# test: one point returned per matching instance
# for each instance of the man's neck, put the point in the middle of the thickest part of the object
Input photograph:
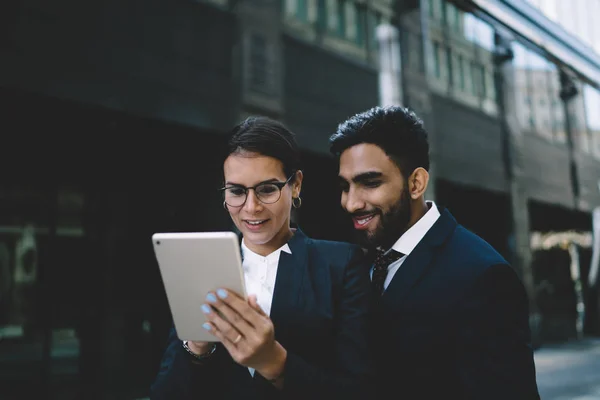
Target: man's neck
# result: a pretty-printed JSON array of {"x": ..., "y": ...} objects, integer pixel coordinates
[{"x": 418, "y": 209}]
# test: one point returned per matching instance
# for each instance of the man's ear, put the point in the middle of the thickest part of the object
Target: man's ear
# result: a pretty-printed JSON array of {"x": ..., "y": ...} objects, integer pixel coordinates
[{"x": 417, "y": 183}]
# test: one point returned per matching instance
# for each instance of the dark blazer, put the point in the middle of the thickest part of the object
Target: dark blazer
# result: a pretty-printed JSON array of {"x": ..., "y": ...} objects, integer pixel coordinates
[
  {"x": 454, "y": 323},
  {"x": 320, "y": 313}
]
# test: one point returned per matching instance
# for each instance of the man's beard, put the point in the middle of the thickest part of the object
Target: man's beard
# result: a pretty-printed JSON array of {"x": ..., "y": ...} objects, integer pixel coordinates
[{"x": 391, "y": 225}]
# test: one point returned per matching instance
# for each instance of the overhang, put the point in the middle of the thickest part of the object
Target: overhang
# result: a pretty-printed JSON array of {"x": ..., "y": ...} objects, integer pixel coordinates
[{"x": 531, "y": 26}]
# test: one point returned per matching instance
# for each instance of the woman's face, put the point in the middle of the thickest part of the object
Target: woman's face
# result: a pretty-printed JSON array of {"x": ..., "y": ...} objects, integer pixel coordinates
[{"x": 265, "y": 227}]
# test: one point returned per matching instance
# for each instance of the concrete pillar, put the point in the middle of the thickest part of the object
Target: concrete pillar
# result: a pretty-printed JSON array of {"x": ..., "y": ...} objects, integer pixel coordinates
[
  {"x": 568, "y": 91},
  {"x": 519, "y": 237}
]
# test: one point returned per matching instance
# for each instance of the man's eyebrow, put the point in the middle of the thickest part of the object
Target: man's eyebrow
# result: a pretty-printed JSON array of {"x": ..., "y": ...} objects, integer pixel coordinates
[{"x": 365, "y": 176}]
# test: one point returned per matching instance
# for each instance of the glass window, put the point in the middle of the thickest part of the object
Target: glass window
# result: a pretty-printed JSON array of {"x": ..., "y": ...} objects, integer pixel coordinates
[
  {"x": 524, "y": 95},
  {"x": 415, "y": 48},
  {"x": 373, "y": 20},
  {"x": 479, "y": 86},
  {"x": 312, "y": 11},
  {"x": 433, "y": 8},
  {"x": 341, "y": 23},
  {"x": 539, "y": 70},
  {"x": 289, "y": 7},
  {"x": 592, "y": 114},
  {"x": 361, "y": 19},
  {"x": 259, "y": 73},
  {"x": 42, "y": 245},
  {"x": 459, "y": 20},
  {"x": 537, "y": 83},
  {"x": 302, "y": 10},
  {"x": 460, "y": 72},
  {"x": 350, "y": 16},
  {"x": 555, "y": 105},
  {"x": 451, "y": 16},
  {"x": 436, "y": 60},
  {"x": 579, "y": 126},
  {"x": 490, "y": 88},
  {"x": 484, "y": 35},
  {"x": 478, "y": 32},
  {"x": 332, "y": 16},
  {"x": 322, "y": 15}
]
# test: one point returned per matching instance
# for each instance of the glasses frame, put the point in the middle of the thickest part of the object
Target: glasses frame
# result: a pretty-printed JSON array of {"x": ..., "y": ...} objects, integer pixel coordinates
[{"x": 279, "y": 185}]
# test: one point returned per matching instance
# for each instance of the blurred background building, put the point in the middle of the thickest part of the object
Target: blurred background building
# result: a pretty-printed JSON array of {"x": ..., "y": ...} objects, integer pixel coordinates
[{"x": 113, "y": 123}]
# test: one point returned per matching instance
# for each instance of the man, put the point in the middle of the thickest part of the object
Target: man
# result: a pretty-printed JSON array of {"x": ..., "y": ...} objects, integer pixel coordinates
[{"x": 451, "y": 315}]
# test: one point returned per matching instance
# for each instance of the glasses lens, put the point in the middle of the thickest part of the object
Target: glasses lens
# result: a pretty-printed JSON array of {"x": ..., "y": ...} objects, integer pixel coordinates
[
  {"x": 268, "y": 193},
  {"x": 235, "y": 196}
]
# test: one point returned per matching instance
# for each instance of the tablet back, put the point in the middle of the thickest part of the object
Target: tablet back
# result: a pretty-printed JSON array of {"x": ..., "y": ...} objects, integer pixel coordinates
[{"x": 191, "y": 265}]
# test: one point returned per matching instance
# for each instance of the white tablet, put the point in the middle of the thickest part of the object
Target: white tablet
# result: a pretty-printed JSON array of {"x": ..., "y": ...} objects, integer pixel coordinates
[{"x": 191, "y": 265}]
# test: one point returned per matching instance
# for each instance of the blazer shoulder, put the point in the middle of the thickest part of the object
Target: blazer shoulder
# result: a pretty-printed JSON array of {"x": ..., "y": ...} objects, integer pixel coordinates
[
  {"x": 473, "y": 251},
  {"x": 335, "y": 252}
]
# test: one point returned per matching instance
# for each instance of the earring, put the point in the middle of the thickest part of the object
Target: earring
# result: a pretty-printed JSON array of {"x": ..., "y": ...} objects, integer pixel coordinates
[
  {"x": 225, "y": 206},
  {"x": 296, "y": 202}
]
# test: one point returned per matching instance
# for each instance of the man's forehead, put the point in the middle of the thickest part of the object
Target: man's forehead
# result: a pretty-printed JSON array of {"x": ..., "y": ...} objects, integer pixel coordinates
[{"x": 363, "y": 158}]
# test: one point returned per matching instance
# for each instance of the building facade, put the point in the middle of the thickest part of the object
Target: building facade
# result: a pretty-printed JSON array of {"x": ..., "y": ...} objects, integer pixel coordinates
[{"x": 115, "y": 115}]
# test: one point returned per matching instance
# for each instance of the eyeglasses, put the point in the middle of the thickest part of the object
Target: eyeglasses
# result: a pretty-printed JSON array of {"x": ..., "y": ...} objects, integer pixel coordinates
[{"x": 267, "y": 193}]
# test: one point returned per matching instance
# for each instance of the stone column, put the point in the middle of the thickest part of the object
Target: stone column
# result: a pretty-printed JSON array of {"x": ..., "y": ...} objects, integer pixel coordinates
[{"x": 519, "y": 237}]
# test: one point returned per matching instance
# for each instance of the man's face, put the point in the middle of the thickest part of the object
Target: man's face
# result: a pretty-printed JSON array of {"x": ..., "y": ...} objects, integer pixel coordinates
[{"x": 375, "y": 195}]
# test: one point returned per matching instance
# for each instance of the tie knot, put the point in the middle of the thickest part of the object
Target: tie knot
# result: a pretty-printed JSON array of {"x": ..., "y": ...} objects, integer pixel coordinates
[{"x": 383, "y": 259}]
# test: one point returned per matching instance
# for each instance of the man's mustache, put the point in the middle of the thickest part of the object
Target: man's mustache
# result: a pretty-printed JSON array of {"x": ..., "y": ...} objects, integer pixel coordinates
[{"x": 364, "y": 213}]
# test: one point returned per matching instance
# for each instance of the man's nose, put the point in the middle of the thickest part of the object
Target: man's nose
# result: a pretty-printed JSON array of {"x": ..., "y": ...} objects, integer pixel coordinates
[{"x": 352, "y": 202}]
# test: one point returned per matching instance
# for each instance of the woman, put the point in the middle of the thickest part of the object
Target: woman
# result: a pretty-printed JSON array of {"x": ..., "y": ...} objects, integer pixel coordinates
[{"x": 302, "y": 333}]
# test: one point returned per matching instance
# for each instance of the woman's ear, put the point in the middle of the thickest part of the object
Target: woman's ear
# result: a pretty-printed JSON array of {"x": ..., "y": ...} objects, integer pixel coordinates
[{"x": 297, "y": 185}]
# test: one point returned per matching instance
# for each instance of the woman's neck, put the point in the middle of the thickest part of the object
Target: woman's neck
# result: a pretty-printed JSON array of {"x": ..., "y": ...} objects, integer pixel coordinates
[{"x": 277, "y": 242}]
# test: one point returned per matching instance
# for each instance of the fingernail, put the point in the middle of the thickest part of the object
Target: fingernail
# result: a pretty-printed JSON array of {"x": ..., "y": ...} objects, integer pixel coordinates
[
  {"x": 206, "y": 326},
  {"x": 205, "y": 309},
  {"x": 222, "y": 293},
  {"x": 211, "y": 297}
]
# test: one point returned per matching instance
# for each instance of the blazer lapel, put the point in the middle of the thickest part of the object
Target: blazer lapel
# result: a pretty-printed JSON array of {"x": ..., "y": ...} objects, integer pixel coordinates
[
  {"x": 288, "y": 284},
  {"x": 420, "y": 259}
]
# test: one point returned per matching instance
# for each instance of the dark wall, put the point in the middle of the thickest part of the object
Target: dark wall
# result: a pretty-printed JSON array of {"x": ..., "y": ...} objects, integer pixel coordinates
[
  {"x": 546, "y": 171},
  {"x": 468, "y": 146},
  {"x": 485, "y": 213},
  {"x": 63, "y": 142},
  {"x": 546, "y": 217},
  {"x": 138, "y": 176},
  {"x": 321, "y": 90},
  {"x": 321, "y": 215},
  {"x": 166, "y": 59}
]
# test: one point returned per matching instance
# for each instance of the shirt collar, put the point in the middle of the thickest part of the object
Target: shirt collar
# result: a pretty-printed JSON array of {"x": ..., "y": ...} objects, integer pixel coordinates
[
  {"x": 411, "y": 238},
  {"x": 248, "y": 254}
]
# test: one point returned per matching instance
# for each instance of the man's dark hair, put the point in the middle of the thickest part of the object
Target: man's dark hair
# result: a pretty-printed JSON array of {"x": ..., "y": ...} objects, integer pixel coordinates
[
  {"x": 397, "y": 130},
  {"x": 266, "y": 137}
]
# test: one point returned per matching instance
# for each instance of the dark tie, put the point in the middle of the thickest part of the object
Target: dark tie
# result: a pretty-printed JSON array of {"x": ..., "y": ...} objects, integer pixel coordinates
[{"x": 380, "y": 268}]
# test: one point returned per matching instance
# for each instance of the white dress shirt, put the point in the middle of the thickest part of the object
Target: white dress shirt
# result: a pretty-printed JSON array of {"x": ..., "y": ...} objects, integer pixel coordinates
[
  {"x": 411, "y": 238},
  {"x": 260, "y": 273}
]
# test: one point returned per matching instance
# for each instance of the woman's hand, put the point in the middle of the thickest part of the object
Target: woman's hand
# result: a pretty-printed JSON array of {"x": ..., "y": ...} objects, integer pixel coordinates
[{"x": 246, "y": 332}]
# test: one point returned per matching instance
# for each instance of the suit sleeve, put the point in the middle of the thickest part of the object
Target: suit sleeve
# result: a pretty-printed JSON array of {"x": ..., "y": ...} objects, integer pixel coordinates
[
  {"x": 181, "y": 377},
  {"x": 494, "y": 353},
  {"x": 349, "y": 376}
]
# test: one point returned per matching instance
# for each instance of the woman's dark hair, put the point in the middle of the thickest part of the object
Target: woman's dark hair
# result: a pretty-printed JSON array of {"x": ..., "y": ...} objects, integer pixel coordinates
[{"x": 266, "y": 137}]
